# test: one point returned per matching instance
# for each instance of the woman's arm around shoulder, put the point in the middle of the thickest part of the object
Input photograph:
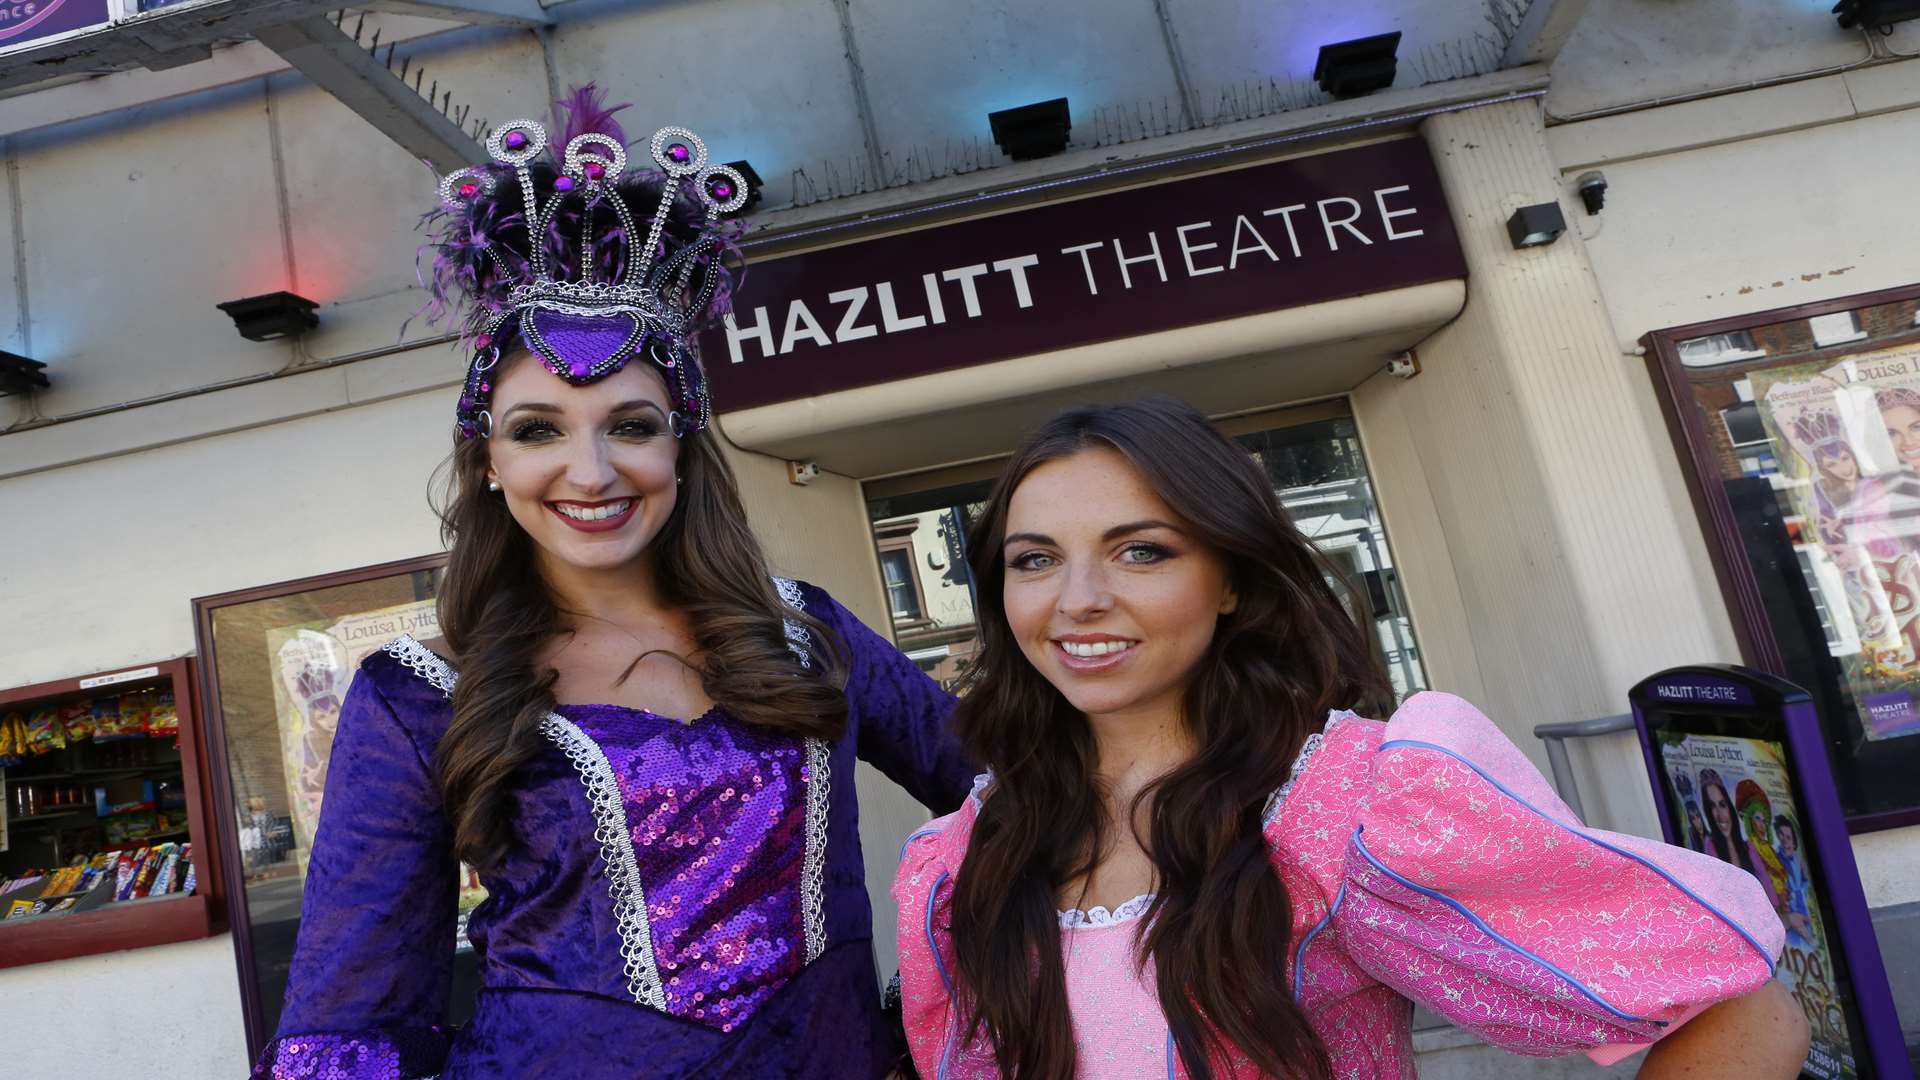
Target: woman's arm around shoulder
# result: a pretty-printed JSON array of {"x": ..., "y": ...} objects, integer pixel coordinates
[{"x": 900, "y": 714}]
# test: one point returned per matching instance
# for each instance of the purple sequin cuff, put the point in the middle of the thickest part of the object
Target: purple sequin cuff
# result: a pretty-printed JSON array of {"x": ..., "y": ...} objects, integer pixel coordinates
[{"x": 374, "y": 1054}]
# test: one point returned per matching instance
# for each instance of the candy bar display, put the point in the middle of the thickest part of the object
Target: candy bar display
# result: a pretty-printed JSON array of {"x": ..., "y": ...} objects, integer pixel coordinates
[
  {"x": 91, "y": 881},
  {"x": 98, "y": 810}
]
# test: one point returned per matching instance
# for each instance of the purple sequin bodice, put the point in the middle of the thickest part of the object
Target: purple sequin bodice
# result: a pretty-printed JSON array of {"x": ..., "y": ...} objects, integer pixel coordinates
[{"x": 716, "y": 816}]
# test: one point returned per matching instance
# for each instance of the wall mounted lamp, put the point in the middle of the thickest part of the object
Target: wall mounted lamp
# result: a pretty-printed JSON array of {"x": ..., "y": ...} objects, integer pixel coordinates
[
  {"x": 1875, "y": 14},
  {"x": 1348, "y": 69},
  {"x": 18, "y": 375},
  {"x": 274, "y": 315},
  {"x": 1032, "y": 131},
  {"x": 1536, "y": 226},
  {"x": 754, "y": 184}
]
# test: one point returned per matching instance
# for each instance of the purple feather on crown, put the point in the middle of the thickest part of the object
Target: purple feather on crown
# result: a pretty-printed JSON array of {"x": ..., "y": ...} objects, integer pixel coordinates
[
  {"x": 585, "y": 111},
  {"x": 585, "y": 307}
]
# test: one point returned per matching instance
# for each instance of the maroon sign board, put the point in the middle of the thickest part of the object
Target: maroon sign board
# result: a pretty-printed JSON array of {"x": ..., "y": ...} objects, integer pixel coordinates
[
  {"x": 1182, "y": 253},
  {"x": 28, "y": 22}
]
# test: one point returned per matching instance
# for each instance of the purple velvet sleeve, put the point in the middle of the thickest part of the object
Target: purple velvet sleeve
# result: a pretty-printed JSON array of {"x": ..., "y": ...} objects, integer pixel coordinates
[
  {"x": 901, "y": 716},
  {"x": 368, "y": 987}
]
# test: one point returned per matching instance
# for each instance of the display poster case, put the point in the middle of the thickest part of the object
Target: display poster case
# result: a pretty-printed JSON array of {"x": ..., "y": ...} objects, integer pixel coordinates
[
  {"x": 105, "y": 820},
  {"x": 277, "y": 662},
  {"x": 1799, "y": 436},
  {"x": 1739, "y": 769}
]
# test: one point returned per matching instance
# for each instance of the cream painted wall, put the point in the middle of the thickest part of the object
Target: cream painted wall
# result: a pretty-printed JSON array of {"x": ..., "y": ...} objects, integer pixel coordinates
[
  {"x": 1571, "y": 569},
  {"x": 1809, "y": 223},
  {"x": 103, "y": 560}
]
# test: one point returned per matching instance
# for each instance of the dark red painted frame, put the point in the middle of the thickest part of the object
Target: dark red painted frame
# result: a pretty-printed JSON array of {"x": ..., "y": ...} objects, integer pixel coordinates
[
  {"x": 1686, "y": 424},
  {"x": 225, "y": 824},
  {"x": 159, "y": 922}
]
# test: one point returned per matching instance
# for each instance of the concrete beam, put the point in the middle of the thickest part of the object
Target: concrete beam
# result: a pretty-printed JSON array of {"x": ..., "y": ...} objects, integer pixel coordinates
[
  {"x": 494, "y": 12},
  {"x": 1543, "y": 30},
  {"x": 335, "y": 63}
]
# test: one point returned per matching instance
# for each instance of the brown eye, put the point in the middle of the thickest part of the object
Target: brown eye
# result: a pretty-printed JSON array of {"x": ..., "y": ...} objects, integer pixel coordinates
[{"x": 636, "y": 429}]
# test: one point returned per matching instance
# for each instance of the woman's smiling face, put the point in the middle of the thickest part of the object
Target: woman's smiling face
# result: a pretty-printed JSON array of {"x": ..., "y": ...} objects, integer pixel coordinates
[
  {"x": 587, "y": 471},
  {"x": 1110, "y": 594}
]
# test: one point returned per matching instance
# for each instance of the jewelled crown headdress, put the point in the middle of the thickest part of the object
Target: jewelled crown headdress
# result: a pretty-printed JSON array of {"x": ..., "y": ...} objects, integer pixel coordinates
[
  {"x": 1820, "y": 431},
  {"x": 601, "y": 284}
]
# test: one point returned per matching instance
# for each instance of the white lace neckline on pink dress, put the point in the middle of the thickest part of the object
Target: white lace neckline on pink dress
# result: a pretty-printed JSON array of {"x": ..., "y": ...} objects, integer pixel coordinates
[{"x": 1077, "y": 919}]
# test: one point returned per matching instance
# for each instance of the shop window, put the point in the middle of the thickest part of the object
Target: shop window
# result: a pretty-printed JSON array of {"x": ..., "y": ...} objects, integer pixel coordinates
[
  {"x": 1316, "y": 468},
  {"x": 279, "y": 659},
  {"x": 1320, "y": 475},
  {"x": 1839, "y": 328},
  {"x": 1712, "y": 349},
  {"x": 105, "y": 839},
  {"x": 1805, "y": 466}
]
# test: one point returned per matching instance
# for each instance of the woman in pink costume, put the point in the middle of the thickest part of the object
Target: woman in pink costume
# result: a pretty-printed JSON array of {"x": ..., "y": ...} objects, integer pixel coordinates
[{"x": 1192, "y": 858}]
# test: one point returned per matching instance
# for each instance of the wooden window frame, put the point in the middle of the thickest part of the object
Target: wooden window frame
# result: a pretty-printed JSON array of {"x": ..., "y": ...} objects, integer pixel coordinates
[
  {"x": 1687, "y": 426},
  {"x": 120, "y": 925}
]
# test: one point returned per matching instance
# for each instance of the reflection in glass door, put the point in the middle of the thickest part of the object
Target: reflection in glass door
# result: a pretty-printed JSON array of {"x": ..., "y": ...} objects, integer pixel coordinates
[{"x": 1316, "y": 469}]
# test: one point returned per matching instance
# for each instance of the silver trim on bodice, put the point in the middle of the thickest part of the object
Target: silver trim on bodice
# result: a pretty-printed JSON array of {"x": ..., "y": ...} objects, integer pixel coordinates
[
  {"x": 423, "y": 662},
  {"x": 616, "y": 851},
  {"x": 615, "y": 837}
]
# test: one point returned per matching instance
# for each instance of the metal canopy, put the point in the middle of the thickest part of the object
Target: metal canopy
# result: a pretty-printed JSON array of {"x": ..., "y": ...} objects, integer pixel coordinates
[
  {"x": 302, "y": 33},
  {"x": 184, "y": 32}
]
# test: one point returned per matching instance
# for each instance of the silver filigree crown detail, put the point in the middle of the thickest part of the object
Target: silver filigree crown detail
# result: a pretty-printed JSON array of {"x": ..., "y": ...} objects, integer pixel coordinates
[{"x": 644, "y": 309}]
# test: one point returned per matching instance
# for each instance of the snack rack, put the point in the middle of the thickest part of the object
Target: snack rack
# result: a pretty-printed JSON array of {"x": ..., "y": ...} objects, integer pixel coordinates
[{"x": 131, "y": 807}]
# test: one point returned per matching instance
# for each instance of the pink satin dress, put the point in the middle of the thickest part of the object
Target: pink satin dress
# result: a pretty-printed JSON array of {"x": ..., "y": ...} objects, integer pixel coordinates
[{"x": 1426, "y": 860}]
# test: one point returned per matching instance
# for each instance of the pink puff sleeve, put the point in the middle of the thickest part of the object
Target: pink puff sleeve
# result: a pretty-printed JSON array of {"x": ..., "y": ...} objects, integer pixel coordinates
[
  {"x": 1471, "y": 888},
  {"x": 922, "y": 888}
]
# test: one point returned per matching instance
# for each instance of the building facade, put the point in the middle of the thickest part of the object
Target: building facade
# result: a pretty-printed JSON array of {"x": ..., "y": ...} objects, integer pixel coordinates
[{"x": 1473, "y": 432}]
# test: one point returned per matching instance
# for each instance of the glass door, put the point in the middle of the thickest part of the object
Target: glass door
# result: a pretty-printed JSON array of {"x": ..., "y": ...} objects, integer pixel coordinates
[{"x": 1315, "y": 465}]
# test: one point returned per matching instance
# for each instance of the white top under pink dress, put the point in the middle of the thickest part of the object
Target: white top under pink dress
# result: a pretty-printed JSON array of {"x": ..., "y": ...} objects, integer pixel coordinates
[{"x": 1425, "y": 859}]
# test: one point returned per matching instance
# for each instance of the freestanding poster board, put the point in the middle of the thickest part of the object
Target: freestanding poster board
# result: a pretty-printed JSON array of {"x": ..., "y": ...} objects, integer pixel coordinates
[{"x": 1741, "y": 774}]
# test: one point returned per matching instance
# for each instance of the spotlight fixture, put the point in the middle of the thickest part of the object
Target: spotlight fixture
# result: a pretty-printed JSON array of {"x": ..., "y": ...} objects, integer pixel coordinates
[
  {"x": 1032, "y": 131},
  {"x": 1536, "y": 226},
  {"x": 18, "y": 375},
  {"x": 1875, "y": 14},
  {"x": 275, "y": 315},
  {"x": 1348, "y": 69},
  {"x": 1592, "y": 186},
  {"x": 754, "y": 184}
]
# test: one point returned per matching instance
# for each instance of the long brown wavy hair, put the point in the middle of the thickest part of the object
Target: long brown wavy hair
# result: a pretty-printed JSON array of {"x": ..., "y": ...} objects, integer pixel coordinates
[
  {"x": 1218, "y": 927},
  {"x": 497, "y": 612}
]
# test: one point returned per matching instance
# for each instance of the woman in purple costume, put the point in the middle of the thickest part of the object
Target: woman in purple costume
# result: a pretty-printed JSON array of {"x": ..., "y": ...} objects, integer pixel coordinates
[{"x": 644, "y": 742}]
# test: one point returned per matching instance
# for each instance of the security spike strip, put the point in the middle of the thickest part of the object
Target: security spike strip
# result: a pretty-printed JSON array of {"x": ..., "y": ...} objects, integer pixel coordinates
[
  {"x": 419, "y": 75},
  {"x": 359, "y": 25},
  {"x": 339, "y": 18},
  {"x": 406, "y": 63},
  {"x": 390, "y": 47},
  {"x": 374, "y": 49}
]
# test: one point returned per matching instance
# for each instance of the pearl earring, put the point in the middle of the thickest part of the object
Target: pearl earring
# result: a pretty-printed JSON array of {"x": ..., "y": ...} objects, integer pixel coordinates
[{"x": 493, "y": 485}]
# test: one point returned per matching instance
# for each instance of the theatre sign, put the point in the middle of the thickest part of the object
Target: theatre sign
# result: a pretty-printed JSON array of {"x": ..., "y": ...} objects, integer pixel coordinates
[{"x": 1181, "y": 253}]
